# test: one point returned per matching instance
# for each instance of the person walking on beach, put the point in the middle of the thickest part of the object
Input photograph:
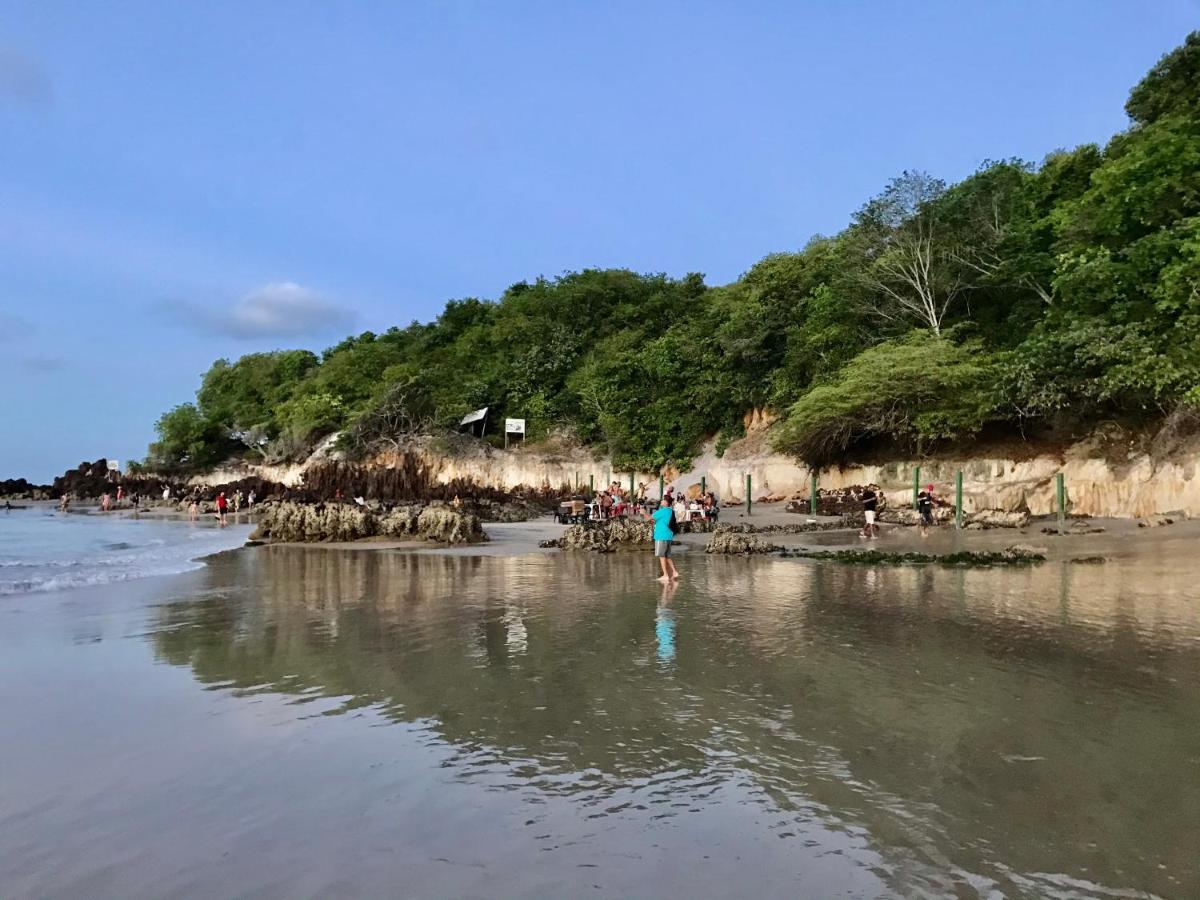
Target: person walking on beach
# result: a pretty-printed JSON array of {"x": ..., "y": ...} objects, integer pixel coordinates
[
  {"x": 870, "y": 502},
  {"x": 250, "y": 500},
  {"x": 194, "y": 508},
  {"x": 222, "y": 506},
  {"x": 665, "y": 527},
  {"x": 925, "y": 509},
  {"x": 105, "y": 503}
]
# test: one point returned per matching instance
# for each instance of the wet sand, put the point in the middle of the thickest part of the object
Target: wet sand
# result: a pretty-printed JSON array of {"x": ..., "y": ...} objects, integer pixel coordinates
[{"x": 491, "y": 722}]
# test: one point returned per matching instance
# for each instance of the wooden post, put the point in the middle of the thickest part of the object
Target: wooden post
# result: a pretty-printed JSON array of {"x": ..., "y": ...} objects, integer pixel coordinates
[
  {"x": 660, "y": 487},
  {"x": 916, "y": 486},
  {"x": 591, "y": 486},
  {"x": 812, "y": 494},
  {"x": 958, "y": 510},
  {"x": 1060, "y": 495},
  {"x": 748, "y": 492}
]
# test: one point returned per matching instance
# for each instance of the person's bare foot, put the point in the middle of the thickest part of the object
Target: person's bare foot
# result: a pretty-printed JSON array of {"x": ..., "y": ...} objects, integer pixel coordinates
[
  {"x": 675, "y": 577},
  {"x": 663, "y": 578}
]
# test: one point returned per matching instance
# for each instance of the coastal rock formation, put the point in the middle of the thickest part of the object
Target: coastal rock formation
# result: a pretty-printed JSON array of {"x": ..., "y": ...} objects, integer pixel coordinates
[
  {"x": 610, "y": 536},
  {"x": 619, "y": 534},
  {"x": 1015, "y": 555},
  {"x": 790, "y": 528},
  {"x": 20, "y": 489},
  {"x": 734, "y": 543},
  {"x": 997, "y": 518},
  {"x": 1155, "y": 521},
  {"x": 449, "y": 526},
  {"x": 318, "y": 522}
]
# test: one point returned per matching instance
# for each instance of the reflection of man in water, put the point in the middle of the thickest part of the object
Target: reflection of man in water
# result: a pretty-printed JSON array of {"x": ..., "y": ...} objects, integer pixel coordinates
[{"x": 664, "y": 624}]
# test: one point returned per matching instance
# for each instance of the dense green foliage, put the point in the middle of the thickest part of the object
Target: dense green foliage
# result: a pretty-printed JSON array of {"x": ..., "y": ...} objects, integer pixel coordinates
[{"x": 1047, "y": 294}]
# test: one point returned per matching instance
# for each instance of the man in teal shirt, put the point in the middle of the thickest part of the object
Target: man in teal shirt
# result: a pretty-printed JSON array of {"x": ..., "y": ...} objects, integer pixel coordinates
[{"x": 663, "y": 518}]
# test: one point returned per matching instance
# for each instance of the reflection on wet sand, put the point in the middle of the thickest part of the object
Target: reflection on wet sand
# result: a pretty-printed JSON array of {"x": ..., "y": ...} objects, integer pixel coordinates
[{"x": 1033, "y": 730}]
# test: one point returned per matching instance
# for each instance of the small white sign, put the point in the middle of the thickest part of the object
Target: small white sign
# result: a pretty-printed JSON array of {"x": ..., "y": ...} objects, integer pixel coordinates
[
  {"x": 473, "y": 416},
  {"x": 514, "y": 426},
  {"x": 114, "y": 465}
]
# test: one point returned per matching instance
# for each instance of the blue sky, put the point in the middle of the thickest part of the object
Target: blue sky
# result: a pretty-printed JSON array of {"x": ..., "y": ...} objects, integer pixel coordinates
[{"x": 180, "y": 182}]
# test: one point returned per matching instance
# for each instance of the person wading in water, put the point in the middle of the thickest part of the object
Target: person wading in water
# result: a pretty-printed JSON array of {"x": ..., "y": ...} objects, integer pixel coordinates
[
  {"x": 665, "y": 527},
  {"x": 925, "y": 508},
  {"x": 870, "y": 500}
]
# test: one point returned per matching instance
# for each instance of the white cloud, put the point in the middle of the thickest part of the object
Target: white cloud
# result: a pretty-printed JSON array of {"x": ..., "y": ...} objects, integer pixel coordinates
[{"x": 279, "y": 310}]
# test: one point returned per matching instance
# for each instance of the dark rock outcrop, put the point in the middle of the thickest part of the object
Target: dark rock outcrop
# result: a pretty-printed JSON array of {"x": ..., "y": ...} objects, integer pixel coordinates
[{"x": 1015, "y": 555}]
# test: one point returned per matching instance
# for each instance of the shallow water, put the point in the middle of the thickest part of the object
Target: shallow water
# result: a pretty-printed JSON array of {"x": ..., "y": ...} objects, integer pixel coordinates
[
  {"x": 299, "y": 721},
  {"x": 42, "y": 549}
]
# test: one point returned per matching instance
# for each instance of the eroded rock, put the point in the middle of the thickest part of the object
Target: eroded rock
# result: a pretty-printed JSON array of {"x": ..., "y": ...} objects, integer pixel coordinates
[
  {"x": 732, "y": 542},
  {"x": 997, "y": 518},
  {"x": 321, "y": 522}
]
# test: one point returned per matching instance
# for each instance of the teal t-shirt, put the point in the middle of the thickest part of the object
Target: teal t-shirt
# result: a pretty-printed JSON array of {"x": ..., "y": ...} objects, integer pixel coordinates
[{"x": 662, "y": 524}]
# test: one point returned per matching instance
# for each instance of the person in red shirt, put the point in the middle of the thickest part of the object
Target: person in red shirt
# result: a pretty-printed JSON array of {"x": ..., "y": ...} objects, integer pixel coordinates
[{"x": 222, "y": 505}]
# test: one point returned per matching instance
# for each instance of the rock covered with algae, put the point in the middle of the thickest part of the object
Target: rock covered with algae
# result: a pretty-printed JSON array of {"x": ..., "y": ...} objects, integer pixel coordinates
[{"x": 308, "y": 523}]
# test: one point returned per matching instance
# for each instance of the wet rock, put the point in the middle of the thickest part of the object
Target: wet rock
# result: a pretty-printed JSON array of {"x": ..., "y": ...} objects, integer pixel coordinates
[
  {"x": 1155, "y": 522},
  {"x": 791, "y": 528},
  {"x": 317, "y": 522},
  {"x": 1076, "y": 526},
  {"x": 449, "y": 526},
  {"x": 731, "y": 542},
  {"x": 1088, "y": 560},
  {"x": 399, "y": 522},
  {"x": 609, "y": 536},
  {"x": 997, "y": 518},
  {"x": 909, "y": 516},
  {"x": 1015, "y": 555}
]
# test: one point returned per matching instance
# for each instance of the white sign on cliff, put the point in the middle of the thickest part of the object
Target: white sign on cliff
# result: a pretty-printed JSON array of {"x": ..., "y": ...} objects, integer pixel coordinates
[{"x": 514, "y": 426}]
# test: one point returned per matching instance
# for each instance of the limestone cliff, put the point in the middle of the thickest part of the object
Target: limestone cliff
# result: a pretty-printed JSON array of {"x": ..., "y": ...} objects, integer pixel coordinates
[{"x": 1104, "y": 477}]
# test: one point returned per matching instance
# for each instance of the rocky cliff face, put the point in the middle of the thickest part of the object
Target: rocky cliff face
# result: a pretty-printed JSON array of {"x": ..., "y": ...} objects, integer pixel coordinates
[{"x": 1102, "y": 479}]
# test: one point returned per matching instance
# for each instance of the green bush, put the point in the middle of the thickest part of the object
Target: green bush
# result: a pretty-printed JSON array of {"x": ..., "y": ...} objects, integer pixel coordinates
[{"x": 913, "y": 389}]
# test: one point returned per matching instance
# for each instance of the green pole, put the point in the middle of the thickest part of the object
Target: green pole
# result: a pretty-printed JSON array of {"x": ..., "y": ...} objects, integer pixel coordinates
[
  {"x": 703, "y": 485},
  {"x": 591, "y": 486},
  {"x": 916, "y": 485},
  {"x": 1060, "y": 495},
  {"x": 630, "y": 484},
  {"x": 660, "y": 487},
  {"x": 958, "y": 510},
  {"x": 748, "y": 491},
  {"x": 812, "y": 494}
]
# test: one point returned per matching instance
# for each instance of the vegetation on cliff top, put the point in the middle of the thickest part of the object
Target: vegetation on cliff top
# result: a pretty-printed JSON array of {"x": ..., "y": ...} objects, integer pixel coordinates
[{"x": 1026, "y": 294}]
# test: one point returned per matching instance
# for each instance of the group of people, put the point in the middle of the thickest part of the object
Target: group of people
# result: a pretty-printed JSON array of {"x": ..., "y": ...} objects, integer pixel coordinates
[
  {"x": 223, "y": 503},
  {"x": 872, "y": 498},
  {"x": 106, "y": 500},
  {"x": 615, "y": 501}
]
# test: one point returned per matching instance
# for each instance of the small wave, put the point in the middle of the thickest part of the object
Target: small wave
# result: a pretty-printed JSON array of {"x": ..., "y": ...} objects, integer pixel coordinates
[
  {"x": 40, "y": 584},
  {"x": 24, "y": 570}
]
